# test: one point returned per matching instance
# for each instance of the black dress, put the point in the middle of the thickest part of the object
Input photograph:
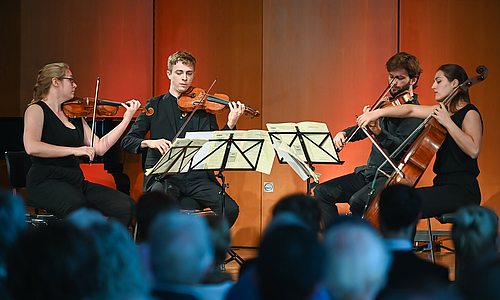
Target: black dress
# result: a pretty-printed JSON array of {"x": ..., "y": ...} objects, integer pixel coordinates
[
  {"x": 58, "y": 184},
  {"x": 455, "y": 184}
]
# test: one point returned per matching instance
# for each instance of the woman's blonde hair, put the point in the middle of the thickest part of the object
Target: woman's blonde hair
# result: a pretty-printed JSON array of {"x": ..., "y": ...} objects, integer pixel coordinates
[{"x": 44, "y": 79}]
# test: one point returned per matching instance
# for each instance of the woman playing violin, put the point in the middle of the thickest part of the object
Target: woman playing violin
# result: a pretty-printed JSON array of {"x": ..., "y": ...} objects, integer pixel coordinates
[
  {"x": 54, "y": 142},
  {"x": 456, "y": 168},
  {"x": 163, "y": 125}
]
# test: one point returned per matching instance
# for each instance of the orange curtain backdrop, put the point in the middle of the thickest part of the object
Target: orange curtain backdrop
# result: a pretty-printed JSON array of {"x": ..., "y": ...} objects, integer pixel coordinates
[
  {"x": 465, "y": 33},
  {"x": 323, "y": 61},
  {"x": 96, "y": 38},
  {"x": 225, "y": 37},
  {"x": 106, "y": 39}
]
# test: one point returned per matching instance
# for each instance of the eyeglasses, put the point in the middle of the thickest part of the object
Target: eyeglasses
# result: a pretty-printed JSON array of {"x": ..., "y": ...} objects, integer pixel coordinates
[{"x": 70, "y": 79}]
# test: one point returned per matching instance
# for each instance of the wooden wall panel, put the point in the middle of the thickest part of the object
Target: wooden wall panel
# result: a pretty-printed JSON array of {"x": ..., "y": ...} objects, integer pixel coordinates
[
  {"x": 96, "y": 38},
  {"x": 323, "y": 61},
  {"x": 225, "y": 37},
  {"x": 466, "y": 33},
  {"x": 10, "y": 59}
]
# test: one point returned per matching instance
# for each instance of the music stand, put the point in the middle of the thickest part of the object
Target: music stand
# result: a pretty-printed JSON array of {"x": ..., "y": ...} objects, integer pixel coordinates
[
  {"x": 232, "y": 148},
  {"x": 302, "y": 137},
  {"x": 177, "y": 157}
]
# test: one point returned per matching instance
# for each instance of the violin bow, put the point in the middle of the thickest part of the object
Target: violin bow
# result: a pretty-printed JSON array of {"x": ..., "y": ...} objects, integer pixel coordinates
[
  {"x": 194, "y": 109},
  {"x": 353, "y": 132},
  {"x": 94, "y": 113},
  {"x": 189, "y": 118},
  {"x": 464, "y": 86}
]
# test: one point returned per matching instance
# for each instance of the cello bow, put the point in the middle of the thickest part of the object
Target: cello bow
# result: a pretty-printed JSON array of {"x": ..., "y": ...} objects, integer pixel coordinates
[{"x": 424, "y": 148}]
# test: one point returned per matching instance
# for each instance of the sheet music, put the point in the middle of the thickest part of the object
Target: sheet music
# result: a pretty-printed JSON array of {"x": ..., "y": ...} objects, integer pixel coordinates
[
  {"x": 235, "y": 160},
  {"x": 287, "y": 138},
  {"x": 177, "y": 156},
  {"x": 319, "y": 145},
  {"x": 294, "y": 161}
]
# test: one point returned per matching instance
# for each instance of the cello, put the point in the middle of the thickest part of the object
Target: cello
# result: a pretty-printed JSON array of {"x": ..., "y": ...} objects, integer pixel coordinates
[{"x": 418, "y": 157}]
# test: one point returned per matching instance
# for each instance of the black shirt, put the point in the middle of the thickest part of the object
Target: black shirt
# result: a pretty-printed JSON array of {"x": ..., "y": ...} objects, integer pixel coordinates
[{"x": 394, "y": 132}]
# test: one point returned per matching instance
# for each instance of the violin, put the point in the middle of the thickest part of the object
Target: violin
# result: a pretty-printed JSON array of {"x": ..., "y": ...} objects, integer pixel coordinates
[
  {"x": 84, "y": 107},
  {"x": 214, "y": 104},
  {"x": 401, "y": 99},
  {"x": 384, "y": 102},
  {"x": 424, "y": 148}
]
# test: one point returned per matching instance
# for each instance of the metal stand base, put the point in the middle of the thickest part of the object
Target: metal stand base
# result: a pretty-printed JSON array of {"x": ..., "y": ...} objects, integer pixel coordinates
[{"x": 232, "y": 256}]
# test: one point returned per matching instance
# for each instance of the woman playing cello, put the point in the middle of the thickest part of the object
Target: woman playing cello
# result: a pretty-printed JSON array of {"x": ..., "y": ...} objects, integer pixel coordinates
[
  {"x": 54, "y": 142},
  {"x": 456, "y": 169}
]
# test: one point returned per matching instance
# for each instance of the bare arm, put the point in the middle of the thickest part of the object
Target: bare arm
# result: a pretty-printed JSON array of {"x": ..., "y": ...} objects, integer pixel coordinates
[
  {"x": 102, "y": 145},
  {"x": 33, "y": 126},
  {"x": 400, "y": 111},
  {"x": 468, "y": 138}
]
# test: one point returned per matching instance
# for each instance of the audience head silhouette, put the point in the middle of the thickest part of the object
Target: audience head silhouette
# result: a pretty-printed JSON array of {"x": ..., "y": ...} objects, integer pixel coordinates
[
  {"x": 120, "y": 275},
  {"x": 475, "y": 235},
  {"x": 290, "y": 263},
  {"x": 12, "y": 222},
  {"x": 181, "y": 250},
  {"x": 304, "y": 207},
  {"x": 148, "y": 206},
  {"x": 400, "y": 210},
  {"x": 58, "y": 261},
  {"x": 357, "y": 260}
]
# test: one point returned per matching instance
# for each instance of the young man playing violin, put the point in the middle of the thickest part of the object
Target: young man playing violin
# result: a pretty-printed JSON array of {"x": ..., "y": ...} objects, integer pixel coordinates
[
  {"x": 167, "y": 120},
  {"x": 363, "y": 184}
]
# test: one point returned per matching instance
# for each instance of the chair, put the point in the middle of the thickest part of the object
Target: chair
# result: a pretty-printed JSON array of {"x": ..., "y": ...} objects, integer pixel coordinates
[
  {"x": 18, "y": 164},
  {"x": 188, "y": 206},
  {"x": 443, "y": 219},
  {"x": 191, "y": 207}
]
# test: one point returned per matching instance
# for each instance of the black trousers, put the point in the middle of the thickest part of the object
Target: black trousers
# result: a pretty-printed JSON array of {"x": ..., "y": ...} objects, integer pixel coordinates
[
  {"x": 61, "y": 190},
  {"x": 449, "y": 193},
  {"x": 354, "y": 188},
  {"x": 199, "y": 187}
]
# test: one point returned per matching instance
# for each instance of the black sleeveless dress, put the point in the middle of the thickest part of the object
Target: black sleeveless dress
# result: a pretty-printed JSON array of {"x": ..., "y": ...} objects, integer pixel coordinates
[
  {"x": 455, "y": 184},
  {"x": 58, "y": 184}
]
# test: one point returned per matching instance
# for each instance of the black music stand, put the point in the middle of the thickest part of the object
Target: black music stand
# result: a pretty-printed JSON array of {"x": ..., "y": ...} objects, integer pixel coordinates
[
  {"x": 302, "y": 137},
  {"x": 231, "y": 147},
  {"x": 177, "y": 157}
]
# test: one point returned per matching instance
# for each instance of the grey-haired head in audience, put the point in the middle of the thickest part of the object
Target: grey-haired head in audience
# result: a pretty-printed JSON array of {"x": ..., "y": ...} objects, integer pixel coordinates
[
  {"x": 357, "y": 261},
  {"x": 181, "y": 250},
  {"x": 120, "y": 273}
]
